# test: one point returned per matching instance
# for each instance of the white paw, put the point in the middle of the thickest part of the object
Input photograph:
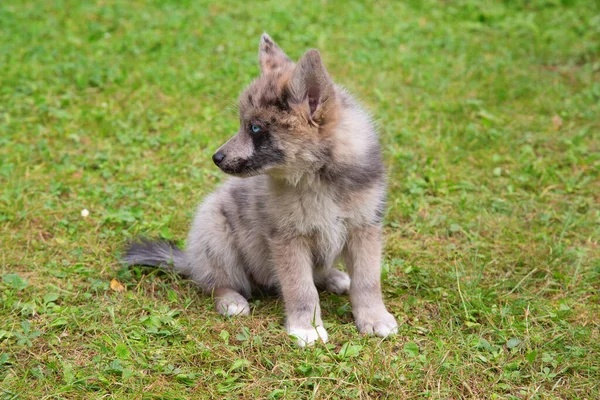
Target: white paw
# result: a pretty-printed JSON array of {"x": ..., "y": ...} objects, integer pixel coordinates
[
  {"x": 307, "y": 337},
  {"x": 380, "y": 323},
  {"x": 230, "y": 308},
  {"x": 338, "y": 283}
]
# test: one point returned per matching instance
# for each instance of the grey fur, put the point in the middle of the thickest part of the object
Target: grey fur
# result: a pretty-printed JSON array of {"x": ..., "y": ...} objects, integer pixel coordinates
[
  {"x": 153, "y": 253},
  {"x": 310, "y": 190}
]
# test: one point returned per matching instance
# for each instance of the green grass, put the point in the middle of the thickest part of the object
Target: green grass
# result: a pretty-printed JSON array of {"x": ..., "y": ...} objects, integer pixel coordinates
[{"x": 490, "y": 120}]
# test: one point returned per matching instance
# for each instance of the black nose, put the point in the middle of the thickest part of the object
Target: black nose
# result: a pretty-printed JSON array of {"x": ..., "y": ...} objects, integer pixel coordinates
[{"x": 218, "y": 157}]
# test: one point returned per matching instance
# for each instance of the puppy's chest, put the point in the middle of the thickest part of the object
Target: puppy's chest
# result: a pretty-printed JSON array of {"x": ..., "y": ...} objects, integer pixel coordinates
[{"x": 314, "y": 214}]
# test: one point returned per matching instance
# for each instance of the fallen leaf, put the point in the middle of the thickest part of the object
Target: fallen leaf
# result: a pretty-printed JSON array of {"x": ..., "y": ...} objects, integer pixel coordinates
[
  {"x": 116, "y": 286},
  {"x": 557, "y": 122}
]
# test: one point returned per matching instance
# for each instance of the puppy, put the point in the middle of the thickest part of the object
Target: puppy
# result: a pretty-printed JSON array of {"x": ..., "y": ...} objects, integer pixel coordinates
[{"x": 308, "y": 188}]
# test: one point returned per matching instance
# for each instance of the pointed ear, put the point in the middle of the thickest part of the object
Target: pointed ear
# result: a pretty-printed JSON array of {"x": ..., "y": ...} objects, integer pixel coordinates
[
  {"x": 312, "y": 85},
  {"x": 270, "y": 56}
]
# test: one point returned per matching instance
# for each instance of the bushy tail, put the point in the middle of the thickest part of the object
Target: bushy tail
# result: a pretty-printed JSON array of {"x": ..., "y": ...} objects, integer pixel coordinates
[{"x": 155, "y": 254}]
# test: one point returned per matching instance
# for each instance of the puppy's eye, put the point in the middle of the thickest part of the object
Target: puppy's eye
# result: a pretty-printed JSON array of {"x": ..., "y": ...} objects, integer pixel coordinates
[{"x": 255, "y": 128}]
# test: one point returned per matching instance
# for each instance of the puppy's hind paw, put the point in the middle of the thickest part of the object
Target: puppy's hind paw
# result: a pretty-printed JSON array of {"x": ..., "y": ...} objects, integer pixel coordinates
[
  {"x": 230, "y": 309},
  {"x": 230, "y": 303},
  {"x": 337, "y": 282}
]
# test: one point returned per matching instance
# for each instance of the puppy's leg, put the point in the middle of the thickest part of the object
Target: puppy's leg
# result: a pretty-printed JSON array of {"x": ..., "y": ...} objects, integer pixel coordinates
[
  {"x": 229, "y": 302},
  {"x": 293, "y": 265},
  {"x": 362, "y": 256}
]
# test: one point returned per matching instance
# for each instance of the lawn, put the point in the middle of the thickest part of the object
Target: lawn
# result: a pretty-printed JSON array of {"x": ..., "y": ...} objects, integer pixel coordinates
[{"x": 490, "y": 122}]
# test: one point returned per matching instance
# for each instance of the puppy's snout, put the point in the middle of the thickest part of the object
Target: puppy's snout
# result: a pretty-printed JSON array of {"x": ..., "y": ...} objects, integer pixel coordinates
[{"x": 218, "y": 157}]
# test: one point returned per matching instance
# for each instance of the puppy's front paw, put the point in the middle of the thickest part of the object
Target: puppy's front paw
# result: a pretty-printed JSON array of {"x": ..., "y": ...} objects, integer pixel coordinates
[
  {"x": 307, "y": 337},
  {"x": 376, "y": 322}
]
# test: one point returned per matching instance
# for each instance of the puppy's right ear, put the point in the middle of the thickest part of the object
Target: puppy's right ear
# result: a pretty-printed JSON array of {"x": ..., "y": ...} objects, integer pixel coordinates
[{"x": 271, "y": 57}]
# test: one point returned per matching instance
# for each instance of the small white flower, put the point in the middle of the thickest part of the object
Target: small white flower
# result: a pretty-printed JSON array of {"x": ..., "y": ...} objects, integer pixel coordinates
[{"x": 85, "y": 213}]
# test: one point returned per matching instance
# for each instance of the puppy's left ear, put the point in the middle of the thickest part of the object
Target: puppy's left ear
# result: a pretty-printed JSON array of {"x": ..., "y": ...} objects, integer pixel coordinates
[
  {"x": 270, "y": 56},
  {"x": 311, "y": 85}
]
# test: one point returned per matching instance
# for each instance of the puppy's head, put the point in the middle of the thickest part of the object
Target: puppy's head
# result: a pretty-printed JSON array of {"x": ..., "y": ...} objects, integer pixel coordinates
[{"x": 286, "y": 115}]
